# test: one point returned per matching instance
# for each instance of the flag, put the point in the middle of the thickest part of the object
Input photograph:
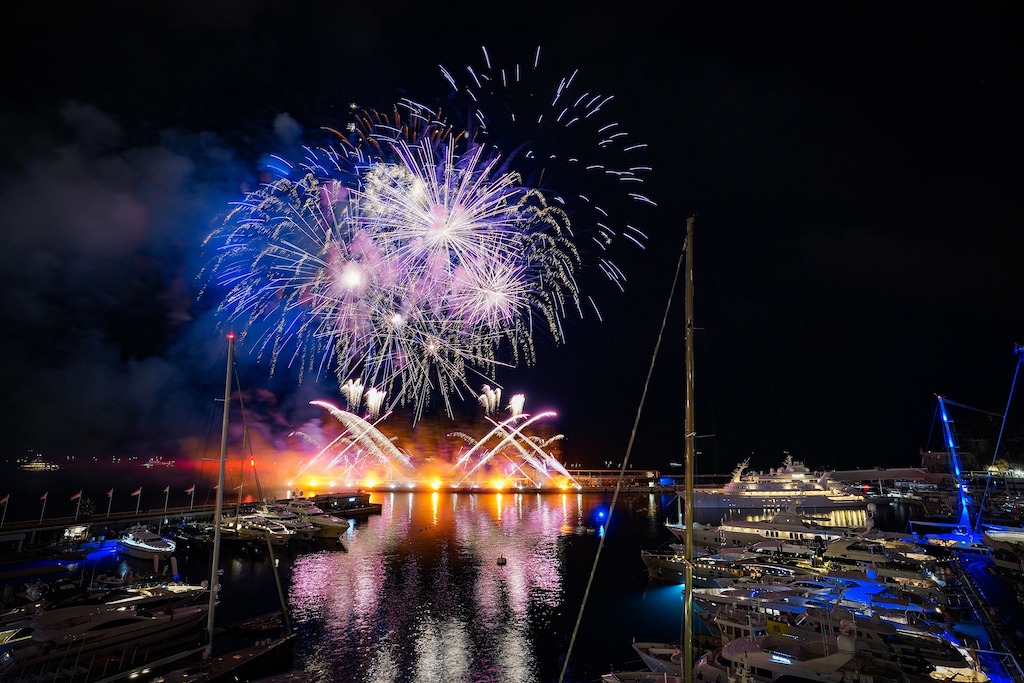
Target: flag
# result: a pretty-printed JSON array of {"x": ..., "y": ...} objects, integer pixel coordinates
[
  {"x": 137, "y": 491},
  {"x": 167, "y": 489},
  {"x": 3, "y": 501},
  {"x": 110, "y": 493},
  {"x": 43, "y": 497},
  {"x": 191, "y": 489},
  {"x": 76, "y": 496}
]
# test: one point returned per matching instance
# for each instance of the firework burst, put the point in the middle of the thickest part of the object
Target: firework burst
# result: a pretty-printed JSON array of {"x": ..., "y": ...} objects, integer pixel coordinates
[
  {"x": 417, "y": 256},
  {"x": 405, "y": 258}
]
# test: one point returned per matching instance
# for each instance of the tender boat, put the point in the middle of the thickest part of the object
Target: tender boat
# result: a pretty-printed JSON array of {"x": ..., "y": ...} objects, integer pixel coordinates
[{"x": 142, "y": 543}]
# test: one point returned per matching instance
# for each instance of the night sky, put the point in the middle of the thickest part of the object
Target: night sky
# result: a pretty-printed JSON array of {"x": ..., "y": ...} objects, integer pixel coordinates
[{"x": 853, "y": 170}]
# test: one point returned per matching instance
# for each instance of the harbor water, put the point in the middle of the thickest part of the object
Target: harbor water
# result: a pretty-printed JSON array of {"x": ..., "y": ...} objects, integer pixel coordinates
[{"x": 480, "y": 588}]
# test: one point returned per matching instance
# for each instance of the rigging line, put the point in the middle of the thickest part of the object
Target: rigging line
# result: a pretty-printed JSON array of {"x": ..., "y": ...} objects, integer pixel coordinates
[
  {"x": 999, "y": 439},
  {"x": 624, "y": 466}
]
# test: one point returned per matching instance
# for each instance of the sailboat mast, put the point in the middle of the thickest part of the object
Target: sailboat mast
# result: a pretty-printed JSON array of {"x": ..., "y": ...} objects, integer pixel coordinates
[
  {"x": 690, "y": 434},
  {"x": 219, "y": 509}
]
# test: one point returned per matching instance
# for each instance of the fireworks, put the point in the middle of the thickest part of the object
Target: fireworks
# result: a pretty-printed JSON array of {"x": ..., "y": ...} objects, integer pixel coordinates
[
  {"x": 562, "y": 139},
  {"x": 412, "y": 255}
]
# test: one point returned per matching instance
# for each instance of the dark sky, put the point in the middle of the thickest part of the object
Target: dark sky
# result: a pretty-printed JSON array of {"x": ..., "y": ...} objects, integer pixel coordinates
[{"x": 853, "y": 170}]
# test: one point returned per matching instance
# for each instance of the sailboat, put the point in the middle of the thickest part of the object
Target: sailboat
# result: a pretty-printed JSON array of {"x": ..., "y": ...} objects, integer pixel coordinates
[{"x": 267, "y": 657}]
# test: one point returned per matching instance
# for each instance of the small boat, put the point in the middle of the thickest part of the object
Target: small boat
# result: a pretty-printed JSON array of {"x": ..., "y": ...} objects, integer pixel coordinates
[
  {"x": 194, "y": 534},
  {"x": 265, "y": 623},
  {"x": 661, "y": 658},
  {"x": 142, "y": 543}
]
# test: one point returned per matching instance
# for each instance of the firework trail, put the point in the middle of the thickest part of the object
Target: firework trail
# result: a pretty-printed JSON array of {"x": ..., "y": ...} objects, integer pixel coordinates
[
  {"x": 412, "y": 253},
  {"x": 562, "y": 138}
]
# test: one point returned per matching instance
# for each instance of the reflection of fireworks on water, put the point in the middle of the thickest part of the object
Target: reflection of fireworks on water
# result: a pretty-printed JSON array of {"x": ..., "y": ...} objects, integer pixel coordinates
[{"x": 414, "y": 253}]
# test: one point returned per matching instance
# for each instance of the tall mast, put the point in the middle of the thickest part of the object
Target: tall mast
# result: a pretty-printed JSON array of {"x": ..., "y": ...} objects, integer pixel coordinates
[
  {"x": 690, "y": 434},
  {"x": 219, "y": 509}
]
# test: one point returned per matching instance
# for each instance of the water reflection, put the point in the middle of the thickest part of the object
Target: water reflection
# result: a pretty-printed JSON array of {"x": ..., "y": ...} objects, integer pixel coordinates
[{"x": 419, "y": 595}]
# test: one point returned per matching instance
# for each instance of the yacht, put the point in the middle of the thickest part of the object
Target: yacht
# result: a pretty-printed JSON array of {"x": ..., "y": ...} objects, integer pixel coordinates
[
  {"x": 142, "y": 543},
  {"x": 303, "y": 528},
  {"x": 302, "y": 506},
  {"x": 72, "y": 632},
  {"x": 326, "y": 523},
  {"x": 791, "y": 486},
  {"x": 786, "y": 657},
  {"x": 639, "y": 677},
  {"x": 718, "y": 569},
  {"x": 255, "y": 528},
  {"x": 785, "y": 526}
]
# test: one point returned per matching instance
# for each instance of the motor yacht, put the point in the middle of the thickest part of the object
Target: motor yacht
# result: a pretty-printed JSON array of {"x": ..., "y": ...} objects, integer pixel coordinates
[
  {"x": 142, "y": 543},
  {"x": 73, "y": 632},
  {"x": 301, "y": 506},
  {"x": 246, "y": 528},
  {"x": 792, "y": 486},
  {"x": 304, "y": 530}
]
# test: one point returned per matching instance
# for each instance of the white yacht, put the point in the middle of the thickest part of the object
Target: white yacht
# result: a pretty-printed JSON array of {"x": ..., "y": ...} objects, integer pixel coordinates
[
  {"x": 325, "y": 523},
  {"x": 255, "y": 528},
  {"x": 304, "y": 530},
  {"x": 785, "y": 526},
  {"x": 302, "y": 506},
  {"x": 792, "y": 486},
  {"x": 142, "y": 543}
]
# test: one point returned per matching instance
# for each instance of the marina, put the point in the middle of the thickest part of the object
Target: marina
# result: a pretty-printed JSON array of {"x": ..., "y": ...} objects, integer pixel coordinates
[{"x": 456, "y": 543}]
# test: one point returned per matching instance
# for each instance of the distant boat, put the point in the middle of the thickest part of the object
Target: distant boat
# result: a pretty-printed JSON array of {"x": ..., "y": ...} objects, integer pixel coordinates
[
  {"x": 38, "y": 464},
  {"x": 142, "y": 543},
  {"x": 792, "y": 486}
]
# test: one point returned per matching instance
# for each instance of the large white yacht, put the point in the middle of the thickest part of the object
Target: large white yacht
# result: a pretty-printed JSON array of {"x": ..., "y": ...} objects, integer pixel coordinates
[{"x": 792, "y": 486}]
